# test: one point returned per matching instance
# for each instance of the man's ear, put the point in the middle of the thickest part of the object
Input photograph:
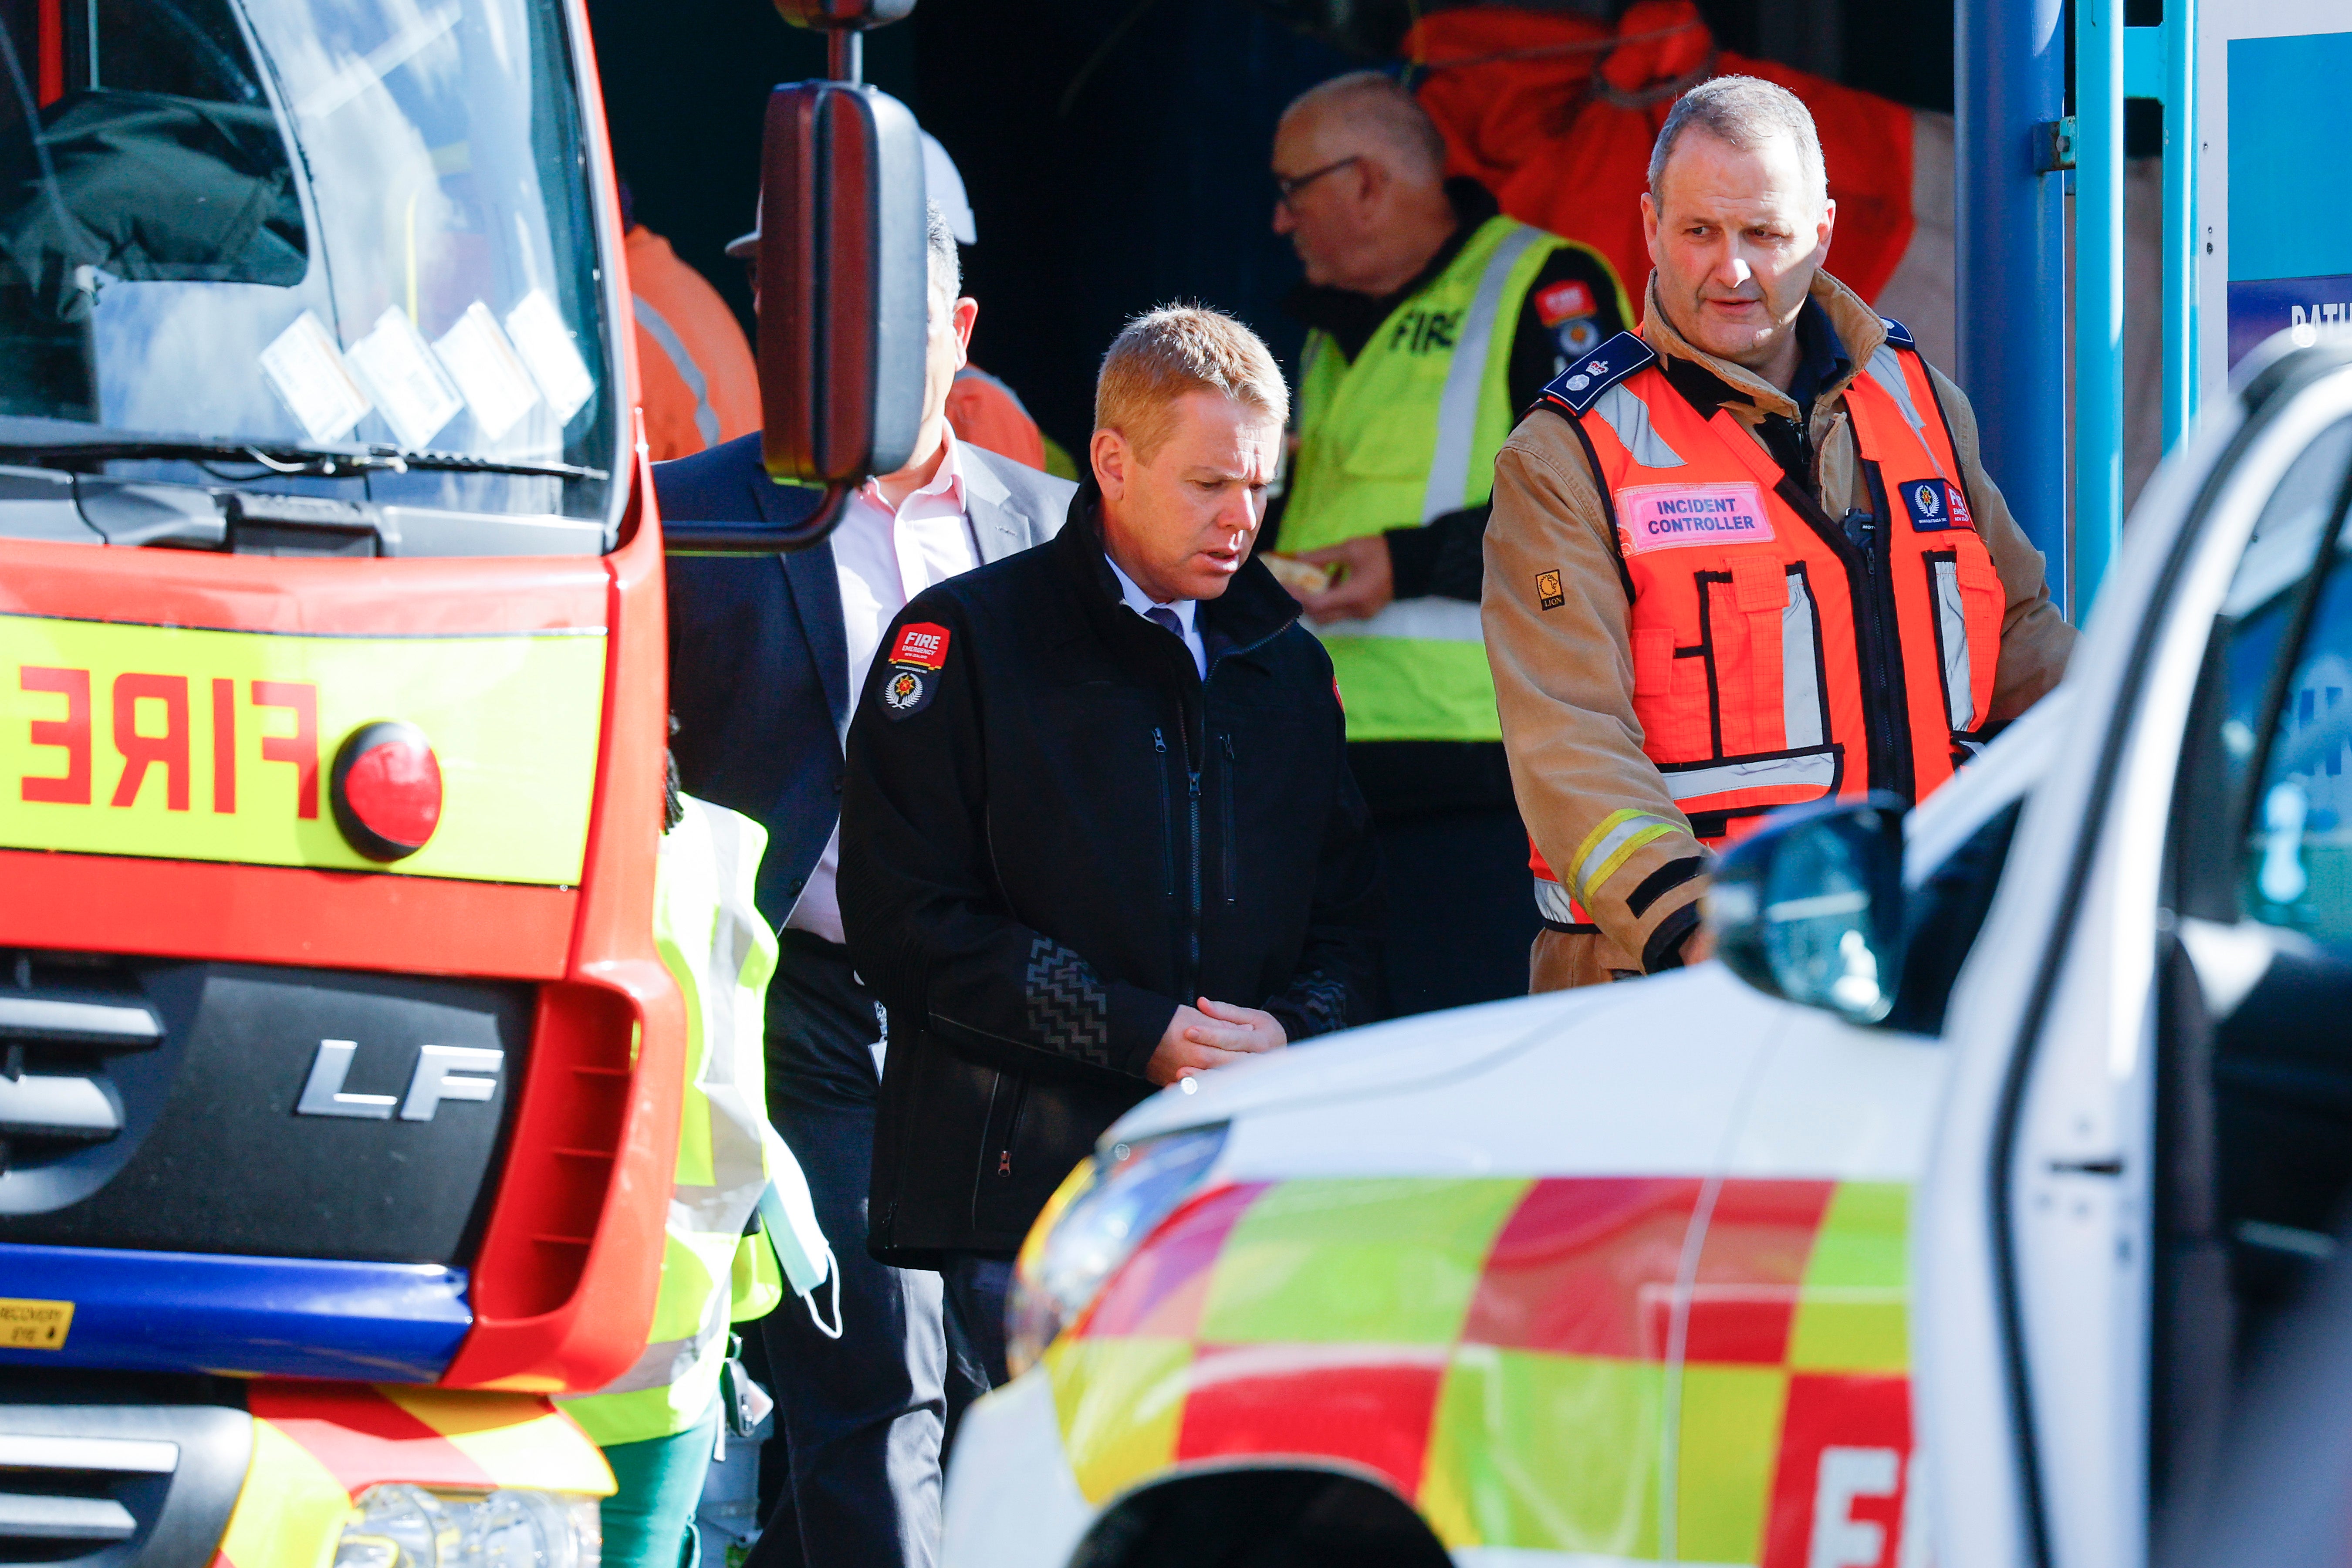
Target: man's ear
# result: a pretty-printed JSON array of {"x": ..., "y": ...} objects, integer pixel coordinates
[
  {"x": 1113, "y": 460},
  {"x": 1828, "y": 222},
  {"x": 1650, "y": 227},
  {"x": 967, "y": 312}
]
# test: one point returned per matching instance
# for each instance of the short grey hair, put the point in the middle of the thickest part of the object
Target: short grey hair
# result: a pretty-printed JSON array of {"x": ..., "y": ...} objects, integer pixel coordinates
[
  {"x": 946, "y": 267},
  {"x": 1741, "y": 111},
  {"x": 1381, "y": 105}
]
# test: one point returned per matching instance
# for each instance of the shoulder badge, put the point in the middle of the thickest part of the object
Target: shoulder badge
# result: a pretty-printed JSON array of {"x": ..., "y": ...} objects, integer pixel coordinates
[
  {"x": 1897, "y": 333},
  {"x": 916, "y": 659},
  {"x": 1579, "y": 386},
  {"x": 922, "y": 645}
]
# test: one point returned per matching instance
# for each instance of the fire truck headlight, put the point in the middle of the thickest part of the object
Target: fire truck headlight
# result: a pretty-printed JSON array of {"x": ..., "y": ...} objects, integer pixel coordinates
[
  {"x": 402, "y": 1526},
  {"x": 1093, "y": 1223}
]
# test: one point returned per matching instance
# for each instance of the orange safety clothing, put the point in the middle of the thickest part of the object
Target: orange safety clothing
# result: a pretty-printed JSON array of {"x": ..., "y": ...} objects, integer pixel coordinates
[
  {"x": 1768, "y": 669},
  {"x": 1685, "y": 636},
  {"x": 700, "y": 384},
  {"x": 985, "y": 412},
  {"x": 1750, "y": 629},
  {"x": 1585, "y": 134}
]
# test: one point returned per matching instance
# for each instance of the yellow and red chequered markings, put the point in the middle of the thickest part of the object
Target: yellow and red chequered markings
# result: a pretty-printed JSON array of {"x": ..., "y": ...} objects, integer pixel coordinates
[
  {"x": 1498, "y": 1350},
  {"x": 318, "y": 1446}
]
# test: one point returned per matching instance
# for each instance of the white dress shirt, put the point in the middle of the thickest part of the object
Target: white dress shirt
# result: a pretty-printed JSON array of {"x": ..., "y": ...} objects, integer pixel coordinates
[
  {"x": 884, "y": 557},
  {"x": 1187, "y": 615}
]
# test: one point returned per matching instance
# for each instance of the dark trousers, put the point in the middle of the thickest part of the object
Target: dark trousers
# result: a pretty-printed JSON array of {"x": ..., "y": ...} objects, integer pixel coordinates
[
  {"x": 862, "y": 1416},
  {"x": 1461, "y": 907},
  {"x": 975, "y": 1288}
]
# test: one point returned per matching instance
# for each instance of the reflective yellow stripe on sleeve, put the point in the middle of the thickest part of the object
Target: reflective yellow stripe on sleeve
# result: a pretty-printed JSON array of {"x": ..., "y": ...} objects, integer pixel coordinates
[{"x": 1609, "y": 846}]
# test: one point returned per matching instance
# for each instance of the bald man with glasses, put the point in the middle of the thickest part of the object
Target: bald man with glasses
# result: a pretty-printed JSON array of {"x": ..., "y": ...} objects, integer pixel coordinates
[{"x": 1433, "y": 321}]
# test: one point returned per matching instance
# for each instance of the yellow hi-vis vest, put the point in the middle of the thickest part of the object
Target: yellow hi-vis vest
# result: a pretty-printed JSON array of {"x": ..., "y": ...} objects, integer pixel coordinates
[
  {"x": 719, "y": 949},
  {"x": 1406, "y": 434}
]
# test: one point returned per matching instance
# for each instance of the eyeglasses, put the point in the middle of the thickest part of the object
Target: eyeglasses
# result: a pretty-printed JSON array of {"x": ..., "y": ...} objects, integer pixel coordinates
[{"x": 1287, "y": 187}]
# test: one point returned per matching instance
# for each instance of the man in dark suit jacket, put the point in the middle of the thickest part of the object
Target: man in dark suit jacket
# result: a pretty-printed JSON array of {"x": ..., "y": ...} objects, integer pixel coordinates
[{"x": 767, "y": 655}]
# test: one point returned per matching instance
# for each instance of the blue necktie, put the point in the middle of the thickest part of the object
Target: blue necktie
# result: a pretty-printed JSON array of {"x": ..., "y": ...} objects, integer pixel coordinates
[{"x": 1164, "y": 617}]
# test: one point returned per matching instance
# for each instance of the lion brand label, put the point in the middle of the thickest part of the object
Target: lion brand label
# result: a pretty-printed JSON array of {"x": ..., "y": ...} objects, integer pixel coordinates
[
  {"x": 921, "y": 645},
  {"x": 1664, "y": 517}
]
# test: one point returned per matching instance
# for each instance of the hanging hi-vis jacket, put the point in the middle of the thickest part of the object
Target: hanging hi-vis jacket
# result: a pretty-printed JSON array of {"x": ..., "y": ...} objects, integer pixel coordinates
[
  {"x": 1776, "y": 660},
  {"x": 730, "y": 1163},
  {"x": 1403, "y": 434}
]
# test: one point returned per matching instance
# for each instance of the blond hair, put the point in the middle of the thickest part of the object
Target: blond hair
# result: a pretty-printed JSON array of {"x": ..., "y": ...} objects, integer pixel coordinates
[{"x": 1165, "y": 353}]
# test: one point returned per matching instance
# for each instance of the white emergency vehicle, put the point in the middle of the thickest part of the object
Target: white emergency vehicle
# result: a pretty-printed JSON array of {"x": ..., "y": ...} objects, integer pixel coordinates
[{"x": 1933, "y": 1223}]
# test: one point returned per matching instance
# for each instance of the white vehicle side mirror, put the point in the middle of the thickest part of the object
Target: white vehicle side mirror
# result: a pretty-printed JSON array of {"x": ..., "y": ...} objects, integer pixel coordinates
[{"x": 1810, "y": 907}]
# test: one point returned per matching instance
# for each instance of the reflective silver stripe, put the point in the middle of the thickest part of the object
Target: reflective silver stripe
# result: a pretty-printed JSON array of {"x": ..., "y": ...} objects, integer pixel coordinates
[
  {"x": 1628, "y": 417},
  {"x": 706, "y": 419},
  {"x": 665, "y": 1362},
  {"x": 1887, "y": 371},
  {"x": 738, "y": 1162},
  {"x": 1466, "y": 377},
  {"x": 1588, "y": 869},
  {"x": 1553, "y": 903},
  {"x": 1952, "y": 631},
  {"x": 1425, "y": 620},
  {"x": 1800, "y": 684},
  {"x": 1690, "y": 783}
]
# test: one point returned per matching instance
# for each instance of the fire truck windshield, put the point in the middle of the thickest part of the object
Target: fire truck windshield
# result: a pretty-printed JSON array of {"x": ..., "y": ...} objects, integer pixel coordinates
[{"x": 352, "y": 227}]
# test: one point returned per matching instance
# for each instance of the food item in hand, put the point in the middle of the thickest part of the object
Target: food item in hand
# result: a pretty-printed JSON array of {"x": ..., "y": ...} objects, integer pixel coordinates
[{"x": 1298, "y": 576}]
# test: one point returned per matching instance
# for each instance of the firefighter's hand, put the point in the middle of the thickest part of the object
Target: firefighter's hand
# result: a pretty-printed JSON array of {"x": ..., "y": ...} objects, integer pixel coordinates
[{"x": 1364, "y": 580}]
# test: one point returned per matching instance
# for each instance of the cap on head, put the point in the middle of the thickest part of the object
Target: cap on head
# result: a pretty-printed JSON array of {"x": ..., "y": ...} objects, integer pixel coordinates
[
  {"x": 1382, "y": 110},
  {"x": 1741, "y": 111},
  {"x": 1176, "y": 350}
]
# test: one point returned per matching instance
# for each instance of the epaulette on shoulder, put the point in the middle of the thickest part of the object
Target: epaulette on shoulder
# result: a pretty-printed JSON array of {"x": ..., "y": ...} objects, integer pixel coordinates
[
  {"x": 1579, "y": 386},
  {"x": 1898, "y": 334}
]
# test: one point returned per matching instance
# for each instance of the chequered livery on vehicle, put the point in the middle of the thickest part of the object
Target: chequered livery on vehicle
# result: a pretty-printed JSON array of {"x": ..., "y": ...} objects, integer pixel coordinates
[
  {"x": 1588, "y": 1280},
  {"x": 1517, "y": 1357},
  {"x": 320, "y": 1449}
]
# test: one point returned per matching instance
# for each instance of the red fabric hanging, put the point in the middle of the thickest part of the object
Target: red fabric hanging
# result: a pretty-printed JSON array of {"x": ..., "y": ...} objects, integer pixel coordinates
[{"x": 1568, "y": 149}]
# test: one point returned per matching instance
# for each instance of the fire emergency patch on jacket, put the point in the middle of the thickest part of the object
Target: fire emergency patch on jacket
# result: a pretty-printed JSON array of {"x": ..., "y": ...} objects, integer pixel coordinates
[
  {"x": 1934, "y": 505},
  {"x": 1662, "y": 516},
  {"x": 1569, "y": 311},
  {"x": 1563, "y": 301},
  {"x": 920, "y": 645}
]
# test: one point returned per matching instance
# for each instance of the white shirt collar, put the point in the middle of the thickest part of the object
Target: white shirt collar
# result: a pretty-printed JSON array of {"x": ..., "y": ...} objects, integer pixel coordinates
[
  {"x": 1141, "y": 603},
  {"x": 947, "y": 482}
]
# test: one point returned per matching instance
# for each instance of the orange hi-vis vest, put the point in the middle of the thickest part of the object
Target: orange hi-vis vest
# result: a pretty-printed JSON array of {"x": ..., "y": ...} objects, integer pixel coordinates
[{"x": 1776, "y": 660}]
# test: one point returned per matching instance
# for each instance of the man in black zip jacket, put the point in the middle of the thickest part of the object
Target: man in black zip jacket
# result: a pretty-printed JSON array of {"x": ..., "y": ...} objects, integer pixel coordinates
[{"x": 1098, "y": 828}]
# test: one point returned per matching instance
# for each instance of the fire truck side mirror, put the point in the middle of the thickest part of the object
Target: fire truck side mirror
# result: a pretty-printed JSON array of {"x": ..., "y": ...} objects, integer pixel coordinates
[{"x": 842, "y": 274}]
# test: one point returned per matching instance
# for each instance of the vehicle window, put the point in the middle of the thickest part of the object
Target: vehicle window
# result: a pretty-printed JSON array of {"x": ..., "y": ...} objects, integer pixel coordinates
[
  {"x": 307, "y": 222},
  {"x": 1941, "y": 918},
  {"x": 2297, "y": 867},
  {"x": 2254, "y": 1086}
]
